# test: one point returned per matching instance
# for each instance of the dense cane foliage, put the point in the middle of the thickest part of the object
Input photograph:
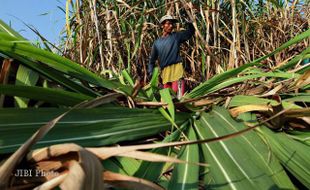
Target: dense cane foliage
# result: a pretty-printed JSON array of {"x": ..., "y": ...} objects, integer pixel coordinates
[
  {"x": 85, "y": 122},
  {"x": 115, "y": 35}
]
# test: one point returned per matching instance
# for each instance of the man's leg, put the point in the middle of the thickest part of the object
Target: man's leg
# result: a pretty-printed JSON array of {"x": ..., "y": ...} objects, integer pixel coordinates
[
  {"x": 179, "y": 87},
  {"x": 175, "y": 86},
  {"x": 167, "y": 85}
]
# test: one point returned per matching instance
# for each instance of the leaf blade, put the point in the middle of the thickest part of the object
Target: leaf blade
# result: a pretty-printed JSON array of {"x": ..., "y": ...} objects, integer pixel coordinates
[{"x": 237, "y": 163}]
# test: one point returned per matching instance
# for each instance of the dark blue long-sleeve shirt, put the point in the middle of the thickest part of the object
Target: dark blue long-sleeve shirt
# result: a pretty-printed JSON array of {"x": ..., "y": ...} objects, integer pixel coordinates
[{"x": 167, "y": 48}]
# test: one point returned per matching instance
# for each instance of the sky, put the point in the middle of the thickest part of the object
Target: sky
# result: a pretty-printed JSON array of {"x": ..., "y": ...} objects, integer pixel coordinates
[{"x": 44, "y": 15}]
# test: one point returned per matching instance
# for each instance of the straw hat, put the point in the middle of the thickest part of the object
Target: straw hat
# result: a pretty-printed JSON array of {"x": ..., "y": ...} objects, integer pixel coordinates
[{"x": 167, "y": 17}]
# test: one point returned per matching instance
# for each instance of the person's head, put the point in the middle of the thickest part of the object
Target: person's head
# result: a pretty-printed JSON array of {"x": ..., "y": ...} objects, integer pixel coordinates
[{"x": 167, "y": 23}]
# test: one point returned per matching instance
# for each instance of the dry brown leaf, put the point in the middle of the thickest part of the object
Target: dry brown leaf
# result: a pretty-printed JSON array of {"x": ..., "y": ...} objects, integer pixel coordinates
[
  {"x": 128, "y": 182},
  {"x": 4, "y": 72},
  {"x": 246, "y": 108},
  {"x": 84, "y": 169},
  {"x": 107, "y": 152},
  {"x": 76, "y": 178},
  {"x": 152, "y": 157},
  {"x": 273, "y": 91},
  {"x": 50, "y": 165},
  {"x": 7, "y": 168},
  {"x": 256, "y": 91},
  {"x": 93, "y": 169},
  {"x": 136, "y": 88},
  {"x": 50, "y": 184},
  {"x": 47, "y": 153},
  {"x": 124, "y": 3},
  {"x": 157, "y": 104},
  {"x": 306, "y": 119},
  {"x": 302, "y": 112},
  {"x": 282, "y": 63},
  {"x": 303, "y": 80},
  {"x": 277, "y": 122},
  {"x": 147, "y": 156},
  {"x": 204, "y": 102}
]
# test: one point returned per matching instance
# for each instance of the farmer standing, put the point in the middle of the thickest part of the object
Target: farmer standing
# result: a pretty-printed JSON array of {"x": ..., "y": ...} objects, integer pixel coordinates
[{"x": 167, "y": 48}]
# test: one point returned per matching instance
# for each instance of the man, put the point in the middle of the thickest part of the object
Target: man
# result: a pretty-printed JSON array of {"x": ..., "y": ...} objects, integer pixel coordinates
[{"x": 167, "y": 48}]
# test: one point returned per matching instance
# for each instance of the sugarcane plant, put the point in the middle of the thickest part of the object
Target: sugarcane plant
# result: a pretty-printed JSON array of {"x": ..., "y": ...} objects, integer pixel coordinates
[
  {"x": 68, "y": 126},
  {"x": 110, "y": 36}
]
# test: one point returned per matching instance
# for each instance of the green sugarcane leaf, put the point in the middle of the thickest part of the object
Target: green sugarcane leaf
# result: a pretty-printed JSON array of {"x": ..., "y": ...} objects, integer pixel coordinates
[
  {"x": 152, "y": 171},
  {"x": 248, "y": 77},
  {"x": 112, "y": 164},
  {"x": 185, "y": 176},
  {"x": 122, "y": 165},
  {"x": 299, "y": 98},
  {"x": 86, "y": 127},
  {"x": 129, "y": 165},
  {"x": 205, "y": 86},
  {"x": 155, "y": 77},
  {"x": 26, "y": 77},
  {"x": 59, "y": 63},
  {"x": 166, "y": 97},
  {"x": 55, "y": 96},
  {"x": 128, "y": 78},
  {"x": 54, "y": 75},
  {"x": 203, "y": 64},
  {"x": 301, "y": 136},
  {"x": 293, "y": 155},
  {"x": 7, "y": 29},
  {"x": 241, "y": 100},
  {"x": 241, "y": 162}
]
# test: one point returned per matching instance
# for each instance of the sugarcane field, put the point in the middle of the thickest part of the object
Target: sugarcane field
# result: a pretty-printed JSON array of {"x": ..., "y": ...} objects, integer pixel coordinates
[{"x": 155, "y": 95}]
